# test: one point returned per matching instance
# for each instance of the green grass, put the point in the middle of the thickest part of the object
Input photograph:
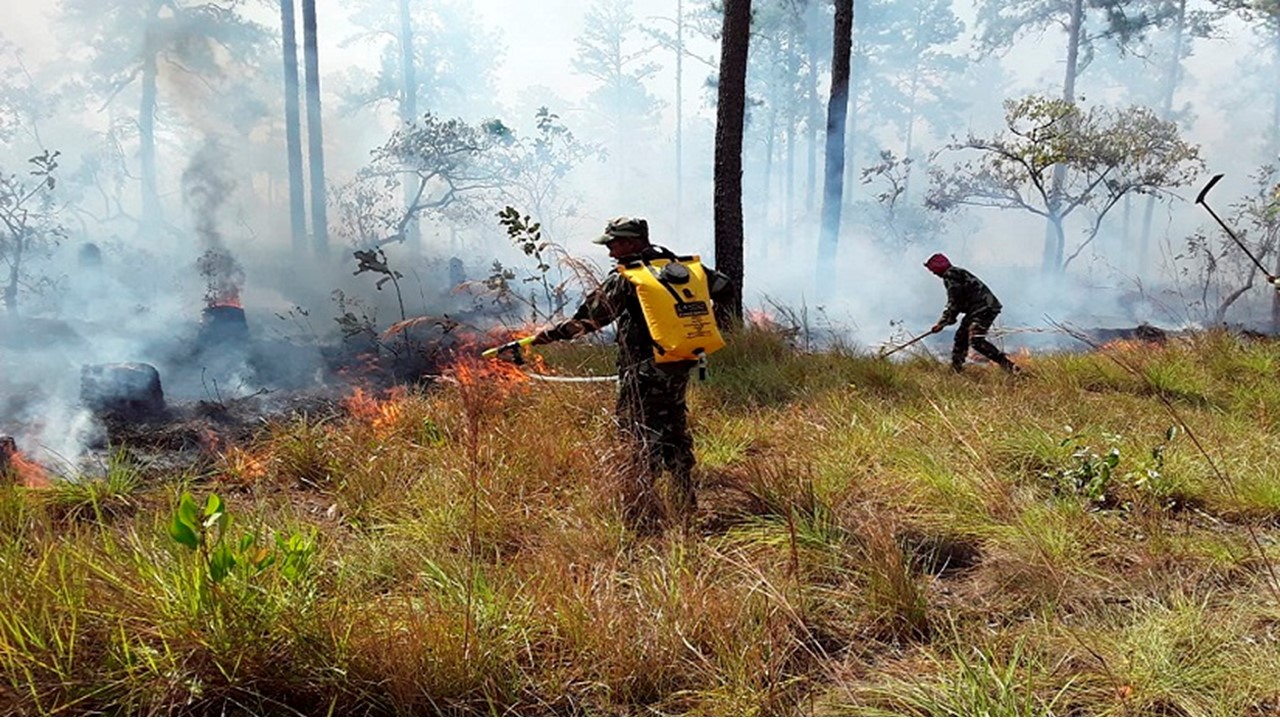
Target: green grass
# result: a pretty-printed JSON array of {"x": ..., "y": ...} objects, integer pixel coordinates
[{"x": 875, "y": 537}]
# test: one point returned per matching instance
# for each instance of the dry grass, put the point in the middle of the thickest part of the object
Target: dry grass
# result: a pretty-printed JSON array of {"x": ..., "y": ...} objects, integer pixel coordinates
[{"x": 874, "y": 538}]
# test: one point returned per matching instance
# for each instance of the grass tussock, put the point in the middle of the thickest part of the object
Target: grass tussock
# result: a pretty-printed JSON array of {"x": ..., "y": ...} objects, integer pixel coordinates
[{"x": 1096, "y": 536}]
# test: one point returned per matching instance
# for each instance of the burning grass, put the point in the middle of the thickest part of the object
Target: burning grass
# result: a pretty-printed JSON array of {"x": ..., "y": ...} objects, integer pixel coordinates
[{"x": 874, "y": 537}]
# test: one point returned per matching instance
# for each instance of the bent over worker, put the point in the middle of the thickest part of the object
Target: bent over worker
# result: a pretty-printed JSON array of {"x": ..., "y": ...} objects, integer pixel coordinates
[
  {"x": 652, "y": 412},
  {"x": 968, "y": 296}
]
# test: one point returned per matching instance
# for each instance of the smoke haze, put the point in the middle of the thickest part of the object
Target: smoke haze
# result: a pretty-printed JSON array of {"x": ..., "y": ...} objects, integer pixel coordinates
[{"x": 221, "y": 235}]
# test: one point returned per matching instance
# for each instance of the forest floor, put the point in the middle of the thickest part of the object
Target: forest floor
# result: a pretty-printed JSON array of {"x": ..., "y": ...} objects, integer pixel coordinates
[{"x": 1097, "y": 535}]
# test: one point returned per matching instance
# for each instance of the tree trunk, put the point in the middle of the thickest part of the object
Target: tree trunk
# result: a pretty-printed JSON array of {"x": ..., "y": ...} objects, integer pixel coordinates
[
  {"x": 763, "y": 205},
  {"x": 147, "y": 130},
  {"x": 811, "y": 169},
  {"x": 789, "y": 194},
  {"x": 850, "y": 146},
  {"x": 1220, "y": 315},
  {"x": 1275, "y": 148},
  {"x": 1275, "y": 298},
  {"x": 1275, "y": 94},
  {"x": 408, "y": 114},
  {"x": 730, "y": 113},
  {"x": 11, "y": 288},
  {"x": 851, "y": 124},
  {"x": 814, "y": 107},
  {"x": 679, "y": 112},
  {"x": 1074, "y": 30},
  {"x": 1172, "y": 76},
  {"x": 1125, "y": 220},
  {"x": 315, "y": 133},
  {"x": 789, "y": 146},
  {"x": 293, "y": 131},
  {"x": 837, "y": 111},
  {"x": 1051, "y": 261}
]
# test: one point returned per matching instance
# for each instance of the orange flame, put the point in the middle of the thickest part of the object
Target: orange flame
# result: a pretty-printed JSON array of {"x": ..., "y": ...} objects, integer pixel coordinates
[
  {"x": 28, "y": 473},
  {"x": 497, "y": 374},
  {"x": 1124, "y": 345},
  {"x": 486, "y": 384},
  {"x": 381, "y": 415},
  {"x": 230, "y": 299}
]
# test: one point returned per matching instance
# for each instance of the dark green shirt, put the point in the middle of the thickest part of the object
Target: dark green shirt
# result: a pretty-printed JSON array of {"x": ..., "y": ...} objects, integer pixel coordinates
[{"x": 966, "y": 294}]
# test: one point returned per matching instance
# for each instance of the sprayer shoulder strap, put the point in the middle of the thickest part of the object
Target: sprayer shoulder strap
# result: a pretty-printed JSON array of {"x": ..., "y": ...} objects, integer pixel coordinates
[{"x": 647, "y": 264}]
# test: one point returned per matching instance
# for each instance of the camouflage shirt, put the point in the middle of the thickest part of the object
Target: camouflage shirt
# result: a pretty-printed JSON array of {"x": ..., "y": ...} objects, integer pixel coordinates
[
  {"x": 616, "y": 301},
  {"x": 966, "y": 294}
]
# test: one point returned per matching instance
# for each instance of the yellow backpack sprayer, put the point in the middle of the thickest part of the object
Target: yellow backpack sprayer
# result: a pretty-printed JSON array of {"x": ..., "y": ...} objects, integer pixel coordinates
[{"x": 676, "y": 300}]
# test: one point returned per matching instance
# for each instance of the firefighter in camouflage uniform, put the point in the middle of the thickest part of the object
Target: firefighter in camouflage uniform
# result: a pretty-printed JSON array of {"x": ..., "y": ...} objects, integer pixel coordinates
[
  {"x": 968, "y": 296},
  {"x": 652, "y": 412}
]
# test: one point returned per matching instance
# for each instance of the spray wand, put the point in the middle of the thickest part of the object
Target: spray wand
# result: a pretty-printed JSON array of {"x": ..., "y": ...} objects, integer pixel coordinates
[
  {"x": 517, "y": 357},
  {"x": 514, "y": 347}
]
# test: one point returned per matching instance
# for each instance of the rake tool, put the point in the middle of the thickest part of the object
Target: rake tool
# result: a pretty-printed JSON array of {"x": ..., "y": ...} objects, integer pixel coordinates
[
  {"x": 886, "y": 353},
  {"x": 1200, "y": 201}
]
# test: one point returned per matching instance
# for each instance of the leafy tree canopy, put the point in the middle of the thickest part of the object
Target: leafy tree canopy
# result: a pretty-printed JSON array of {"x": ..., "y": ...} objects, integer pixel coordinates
[{"x": 1108, "y": 153}]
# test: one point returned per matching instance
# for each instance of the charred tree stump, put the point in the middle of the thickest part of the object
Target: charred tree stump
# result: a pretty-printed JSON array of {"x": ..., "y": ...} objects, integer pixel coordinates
[
  {"x": 8, "y": 448},
  {"x": 223, "y": 327},
  {"x": 129, "y": 391}
]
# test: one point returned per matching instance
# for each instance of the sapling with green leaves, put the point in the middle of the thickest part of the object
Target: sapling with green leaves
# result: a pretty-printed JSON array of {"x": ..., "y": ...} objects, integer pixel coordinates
[{"x": 207, "y": 530}]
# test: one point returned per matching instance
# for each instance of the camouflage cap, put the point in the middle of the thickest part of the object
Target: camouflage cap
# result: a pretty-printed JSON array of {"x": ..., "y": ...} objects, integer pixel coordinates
[{"x": 623, "y": 227}]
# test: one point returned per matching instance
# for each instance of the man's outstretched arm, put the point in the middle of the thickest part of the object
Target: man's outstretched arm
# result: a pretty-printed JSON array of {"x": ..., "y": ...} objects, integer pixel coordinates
[{"x": 601, "y": 307}]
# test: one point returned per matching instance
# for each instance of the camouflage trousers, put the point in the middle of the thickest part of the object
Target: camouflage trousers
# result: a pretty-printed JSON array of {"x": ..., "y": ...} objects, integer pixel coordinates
[
  {"x": 652, "y": 415},
  {"x": 973, "y": 332}
]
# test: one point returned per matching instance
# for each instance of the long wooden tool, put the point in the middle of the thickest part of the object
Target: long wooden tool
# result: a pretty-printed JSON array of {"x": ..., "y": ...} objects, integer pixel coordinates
[{"x": 907, "y": 344}]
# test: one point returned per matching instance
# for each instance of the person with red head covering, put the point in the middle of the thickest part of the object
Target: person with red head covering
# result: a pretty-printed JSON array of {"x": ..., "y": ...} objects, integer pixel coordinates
[{"x": 968, "y": 296}]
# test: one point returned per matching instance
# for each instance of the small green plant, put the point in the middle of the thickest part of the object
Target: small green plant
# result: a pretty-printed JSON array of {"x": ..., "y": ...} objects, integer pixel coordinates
[
  {"x": 1089, "y": 473},
  {"x": 207, "y": 530},
  {"x": 526, "y": 234},
  {"x": 1094, "y": 475}
]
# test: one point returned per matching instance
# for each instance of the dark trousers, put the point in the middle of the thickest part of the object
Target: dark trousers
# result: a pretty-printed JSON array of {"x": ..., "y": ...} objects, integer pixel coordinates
[
  {"x": 973, "y": 332},
  {"x": 653, "y": 421}
]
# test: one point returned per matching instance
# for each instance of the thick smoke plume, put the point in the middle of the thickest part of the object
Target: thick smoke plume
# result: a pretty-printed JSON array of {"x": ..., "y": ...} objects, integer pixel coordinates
[{"x": 206, "y": 186}]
